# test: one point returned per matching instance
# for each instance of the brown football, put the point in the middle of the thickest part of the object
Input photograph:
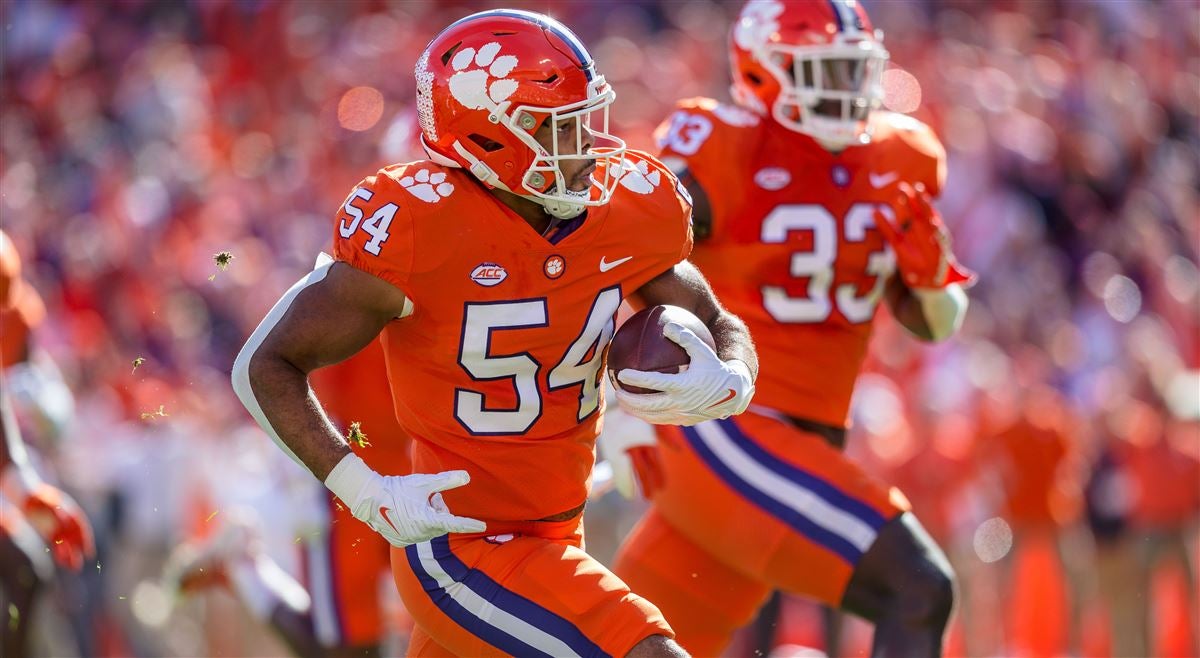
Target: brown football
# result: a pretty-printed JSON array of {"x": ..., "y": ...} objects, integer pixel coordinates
[{"x": 639, "y": 343}]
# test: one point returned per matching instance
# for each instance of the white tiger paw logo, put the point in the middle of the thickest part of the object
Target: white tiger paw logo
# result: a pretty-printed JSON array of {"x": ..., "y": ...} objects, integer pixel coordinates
[
  {"x": 757, "y": 23},
  {"x": 427, "y": 187},
  {"x": 481, "y": 88},
  {"x": 638, "y": 178}
]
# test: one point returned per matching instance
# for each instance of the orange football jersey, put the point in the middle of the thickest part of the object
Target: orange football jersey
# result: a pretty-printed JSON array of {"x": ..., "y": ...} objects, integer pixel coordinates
[
  {"x": 496, "y": 368},
  {"x": 792, "y": 248}
]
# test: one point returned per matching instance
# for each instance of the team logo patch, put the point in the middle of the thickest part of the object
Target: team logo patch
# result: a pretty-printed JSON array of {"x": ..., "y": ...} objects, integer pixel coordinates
[
  {"x": 757, "y": 23},
  {"x": 772, "y": 178},
  {"x": 499, "y": 539},
  {"x": 426, "y": 187},
  {"x": 554, "y": 266},
  {"x": 840, "y": 175},
  {"x": 488, "y": 274},
  {"x": 638, "y": 178}
]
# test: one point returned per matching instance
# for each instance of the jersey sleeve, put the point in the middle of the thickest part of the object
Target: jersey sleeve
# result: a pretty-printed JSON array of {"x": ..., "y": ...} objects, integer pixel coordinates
[
  {"x": 700, "y": 133},
  {"x": 373, "y": 231},
  {"x": 669, "y": 210},
  {"x": 711, "y": 141},
  {"x": 683, "y": 221}
]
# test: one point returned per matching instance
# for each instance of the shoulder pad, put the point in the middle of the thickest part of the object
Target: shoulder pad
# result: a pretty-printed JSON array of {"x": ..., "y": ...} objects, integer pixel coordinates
[
  {"x": 426, "y": 183},
  {"x": 912, "y": 141},
  {"x": 698, "y": 121}
]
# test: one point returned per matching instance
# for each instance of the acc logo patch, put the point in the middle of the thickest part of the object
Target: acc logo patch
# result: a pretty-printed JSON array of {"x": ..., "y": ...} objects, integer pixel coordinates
[
  {"x": 488, "y": 274},
  {"x": 772, "y": 178}
]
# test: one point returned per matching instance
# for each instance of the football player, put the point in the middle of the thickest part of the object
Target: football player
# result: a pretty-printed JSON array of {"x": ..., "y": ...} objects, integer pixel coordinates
[
  {"x": 35, "y": 517},
  {"x": 811, "y": 207},
  {"x": 494, "y": 270}
]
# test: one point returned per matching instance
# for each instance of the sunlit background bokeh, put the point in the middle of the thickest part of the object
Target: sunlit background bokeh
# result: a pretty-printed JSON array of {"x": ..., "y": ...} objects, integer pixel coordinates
[{"x": 1052, "y": 447}]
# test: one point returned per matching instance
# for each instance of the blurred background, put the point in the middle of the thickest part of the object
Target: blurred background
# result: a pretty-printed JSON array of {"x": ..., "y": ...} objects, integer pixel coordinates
[{"x": 1052, "y": 447}]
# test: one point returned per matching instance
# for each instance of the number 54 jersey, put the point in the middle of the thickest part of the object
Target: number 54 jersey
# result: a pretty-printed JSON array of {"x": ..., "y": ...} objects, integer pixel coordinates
[
  {"x": 495, "y": 366},
  {"x": 792, "y": 246}
]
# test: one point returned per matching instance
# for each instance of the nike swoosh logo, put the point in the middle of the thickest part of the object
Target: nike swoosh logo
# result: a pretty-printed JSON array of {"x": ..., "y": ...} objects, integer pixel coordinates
[
  {"x": 383, "y": 511},
  {"x": 883, "y": 180},
  {"x": 723, "y": 400},
  {"x": 604, "y": 267}
]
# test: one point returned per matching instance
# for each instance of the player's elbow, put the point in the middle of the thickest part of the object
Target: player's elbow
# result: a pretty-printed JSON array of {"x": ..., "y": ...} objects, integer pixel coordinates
[{"x": 248, "y": 373}]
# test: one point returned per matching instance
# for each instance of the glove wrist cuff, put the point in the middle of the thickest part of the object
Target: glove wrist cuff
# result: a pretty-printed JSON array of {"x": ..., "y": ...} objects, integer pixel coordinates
[
  {"x": 740, "y": 367},
  {"x": 349, "y": 477}
]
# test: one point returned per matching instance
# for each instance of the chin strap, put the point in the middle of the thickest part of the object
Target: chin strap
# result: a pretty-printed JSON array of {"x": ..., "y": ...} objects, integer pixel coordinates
[{"x": 560, "y": 209}]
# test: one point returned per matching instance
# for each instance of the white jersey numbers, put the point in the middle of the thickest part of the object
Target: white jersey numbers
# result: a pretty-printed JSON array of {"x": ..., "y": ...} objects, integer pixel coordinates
[
  {"x": 376, "y": 225},
  {"x": 817, "y": 265},
  {"x": 687, "y": 132},
  {"x": 580, "y": 365}
]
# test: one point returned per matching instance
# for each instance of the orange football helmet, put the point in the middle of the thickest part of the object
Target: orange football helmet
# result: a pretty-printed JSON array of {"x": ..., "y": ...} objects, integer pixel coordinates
[
  {"x": 816, "y": 66},
  {"x": 488, "y": 82}
]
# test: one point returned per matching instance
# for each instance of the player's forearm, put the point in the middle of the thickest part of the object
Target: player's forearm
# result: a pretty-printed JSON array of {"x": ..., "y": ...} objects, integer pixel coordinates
[
  {"x": 277, "y": 394},
  {"x": 929, "y": 314},
  {"x": 943, "y": 309},
  {"x": 13, "y": 457},
  {"x": 733, "y": 340}
]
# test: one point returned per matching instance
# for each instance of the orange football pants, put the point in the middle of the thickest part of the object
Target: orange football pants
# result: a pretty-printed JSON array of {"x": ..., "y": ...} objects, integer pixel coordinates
[
  {"x": 524, "y": 589},
  {"x": 749, "y": 505}
]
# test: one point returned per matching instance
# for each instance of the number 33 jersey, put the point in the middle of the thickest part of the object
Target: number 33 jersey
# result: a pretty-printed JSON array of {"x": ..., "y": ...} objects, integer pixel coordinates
[
  {"x": 495, "y": 367},
  {"x": 792, "y": 247}
]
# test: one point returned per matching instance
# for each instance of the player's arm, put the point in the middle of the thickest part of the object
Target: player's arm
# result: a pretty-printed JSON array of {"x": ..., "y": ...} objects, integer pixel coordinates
[
  {"x": 716, "y": 384},
  {"x": 59, "y": 519},
  {"x": 928, "y": 297},
  {"x": 930, "y": 314},
  {"x": 327, "y": 317}
]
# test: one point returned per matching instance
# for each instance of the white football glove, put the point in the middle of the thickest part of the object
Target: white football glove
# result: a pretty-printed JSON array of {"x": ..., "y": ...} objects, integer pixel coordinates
[
  {"x": 405, "y": 509},
  {"x": 623, "y": 438},
  {"x": 707, "y": 389}
]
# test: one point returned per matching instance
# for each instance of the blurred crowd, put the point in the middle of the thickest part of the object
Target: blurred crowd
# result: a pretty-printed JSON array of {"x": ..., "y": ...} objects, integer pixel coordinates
[{"x": 1053, "y": 446}]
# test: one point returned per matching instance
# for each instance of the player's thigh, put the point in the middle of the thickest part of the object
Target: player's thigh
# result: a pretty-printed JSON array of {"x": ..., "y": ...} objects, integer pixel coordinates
[
  {"x": 522, "y": 595},
  {"x": 703, "y": 596},
  {"x": 344, "y": 567},
  {"x": 780, "y": 504}
]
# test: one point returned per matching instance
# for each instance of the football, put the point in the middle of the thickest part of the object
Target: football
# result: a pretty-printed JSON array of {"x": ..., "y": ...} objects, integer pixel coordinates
[{"x": 639, "y": 343}]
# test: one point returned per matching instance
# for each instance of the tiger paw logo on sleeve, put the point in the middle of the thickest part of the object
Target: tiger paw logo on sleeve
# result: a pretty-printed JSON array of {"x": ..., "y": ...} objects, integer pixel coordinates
[
  {"x": 427, "y": 187},
  {"x": 638, "y": 178}
]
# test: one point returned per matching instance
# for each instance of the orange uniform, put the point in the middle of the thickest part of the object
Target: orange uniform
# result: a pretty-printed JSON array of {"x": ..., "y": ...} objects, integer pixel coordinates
[
  {"x": 754, "y": 503},
  {"x": 495, "y": 370},
  {"x": 21, "y": 308},
  {"x": 342, "y": 572}
]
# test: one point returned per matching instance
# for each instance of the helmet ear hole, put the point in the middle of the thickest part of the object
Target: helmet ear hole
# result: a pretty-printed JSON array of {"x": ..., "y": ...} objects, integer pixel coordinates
[
  {"x": 754, "y": 78},
  {"x": 488, "y": 145}
]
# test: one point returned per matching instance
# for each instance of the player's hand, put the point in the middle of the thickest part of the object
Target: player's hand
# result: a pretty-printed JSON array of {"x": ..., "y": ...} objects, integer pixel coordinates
[
  {"x": 921, "y": 242},
  {"x": 631, "y": 449},
  {"x": 61, "y": 523},
  {"x": 405, "y": 509},
  {"x": 708, "y": 389}
]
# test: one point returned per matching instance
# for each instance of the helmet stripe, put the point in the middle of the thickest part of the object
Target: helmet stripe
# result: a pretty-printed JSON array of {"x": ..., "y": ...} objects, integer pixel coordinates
[
  {"x": 547, "y": 23},
  {"x": 843, "y": 12}
]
